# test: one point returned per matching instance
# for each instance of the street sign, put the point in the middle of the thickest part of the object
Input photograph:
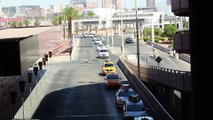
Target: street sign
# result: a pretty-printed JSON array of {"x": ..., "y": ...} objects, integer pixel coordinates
[{"x": 158, "y": 59}]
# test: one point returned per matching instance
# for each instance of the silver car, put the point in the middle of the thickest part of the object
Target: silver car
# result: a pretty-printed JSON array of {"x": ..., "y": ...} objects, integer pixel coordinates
[
  {"x": 134, "y": 107},
  {"x": 123, "y": 94}
]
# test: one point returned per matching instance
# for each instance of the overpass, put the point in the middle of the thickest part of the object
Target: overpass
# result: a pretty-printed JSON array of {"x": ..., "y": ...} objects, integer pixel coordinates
[{"x": 144, "y": 19}]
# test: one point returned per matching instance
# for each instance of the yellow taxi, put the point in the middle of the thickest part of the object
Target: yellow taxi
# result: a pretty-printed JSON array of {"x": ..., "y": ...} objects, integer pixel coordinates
[{"x": 108, "y": 67}]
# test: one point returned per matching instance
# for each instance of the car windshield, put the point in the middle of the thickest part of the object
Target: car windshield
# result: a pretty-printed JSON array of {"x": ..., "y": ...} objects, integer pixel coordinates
[
  {"x": 109, "y": 65},
  {"x": 103, "y": 50},
  {"x": 125, "y": 94},
  {"x": 135, "y": 107},
  {"x": 114, "y": 76}
]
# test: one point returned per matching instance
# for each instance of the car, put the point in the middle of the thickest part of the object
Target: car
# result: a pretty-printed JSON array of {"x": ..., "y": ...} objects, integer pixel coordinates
[
  {"x": 98, "y": 41},
  {"x": 103, "y": 53},
  {"x": 99, "y": 46},
  {"x": 129, "y": 40},
  {"x": 144, "y": 118},
  {"x": 123, "y": 94},
  {"x": 108, "y": 67},
  {"x": 134, "y": 107},
  {"x": 112, "y": 79}
]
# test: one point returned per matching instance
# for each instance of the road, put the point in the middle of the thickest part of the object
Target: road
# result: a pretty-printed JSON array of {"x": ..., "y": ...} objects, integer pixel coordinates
[
  {"x": 77, "y": 91},
  {"x": 146, "y": 55}
]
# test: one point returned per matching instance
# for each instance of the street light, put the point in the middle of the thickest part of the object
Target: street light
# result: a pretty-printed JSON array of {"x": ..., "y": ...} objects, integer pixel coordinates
[
  {"x": 122, "y": 30},
  {"x": 138, "y": 53},
  {"x": 112, "y": 27}
]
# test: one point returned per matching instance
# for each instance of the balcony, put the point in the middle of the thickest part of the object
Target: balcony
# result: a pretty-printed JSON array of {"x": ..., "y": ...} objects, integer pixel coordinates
[
  {"x": 181, "y": 42},
  {"x": 180, "y": 7}
]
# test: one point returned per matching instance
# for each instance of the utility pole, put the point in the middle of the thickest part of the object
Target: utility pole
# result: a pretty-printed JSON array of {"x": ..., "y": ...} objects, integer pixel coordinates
[
  {"x": 138, "y": 52},
  {"x": 112, "y": 27},
  {"x": 122, "y": 30}
]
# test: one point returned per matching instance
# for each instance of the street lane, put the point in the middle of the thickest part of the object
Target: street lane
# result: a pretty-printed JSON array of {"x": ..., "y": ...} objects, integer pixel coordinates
[{"x": 77, "y": 89}]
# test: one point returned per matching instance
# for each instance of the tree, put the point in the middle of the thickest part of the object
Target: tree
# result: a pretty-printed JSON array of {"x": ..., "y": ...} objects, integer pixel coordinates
[
  {"x": 70, "y": 14},
  {"x": 157, "y": 31},
  {"x": 19, "y": 24},
  {"x": 26, "y": 22},
  {"x": 13, "y": 24},
  {"x": 104, "y": 23},
  {"x": 169, "y": 31},
  {"x": 90, "y": 14},
  {"x": 37, "y": 23}
]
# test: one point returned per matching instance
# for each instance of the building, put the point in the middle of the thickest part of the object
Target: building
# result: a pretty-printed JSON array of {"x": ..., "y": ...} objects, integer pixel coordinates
[
  {"x": 117, "y": 4},
  {"x": 112, "y": 3},
  {"x": 92, "y": 4},
  {"x": 78, "y": 2},
  {"x": 150, "y": 3},
  {"x": 106, "y": 3}
]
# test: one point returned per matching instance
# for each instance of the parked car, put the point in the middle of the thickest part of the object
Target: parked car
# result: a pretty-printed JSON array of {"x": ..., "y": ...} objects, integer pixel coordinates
[
  {"x": 123, "y": 94},
  {"x": 129, "y": 40},
  {"x": 134, "y": 107},
  {"x": 112, "y": 79},
  {"x": 108, "y": 67}
]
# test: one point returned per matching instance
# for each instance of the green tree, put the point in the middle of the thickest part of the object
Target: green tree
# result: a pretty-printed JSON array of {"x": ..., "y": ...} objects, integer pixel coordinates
[
  {"x": 70, "y": 14},
  {"x": 19, "y": 24},
  {"x": 169, "y": 31},
  {"x": 37, "y": 23},
  {"x": 147, "y": 32},
  {"x": 55, "y": 21},
  {"x": 26, "y": 22},
  {"x": 104, "y": 23},
  {"x": 90, "y": 14},
  {"x": 157, "y": 31},
  {"x": 13, "y": 24}
]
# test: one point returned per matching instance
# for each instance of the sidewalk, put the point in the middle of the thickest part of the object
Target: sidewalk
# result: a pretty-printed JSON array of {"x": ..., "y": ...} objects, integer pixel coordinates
[{"x": 30, "y": 105}]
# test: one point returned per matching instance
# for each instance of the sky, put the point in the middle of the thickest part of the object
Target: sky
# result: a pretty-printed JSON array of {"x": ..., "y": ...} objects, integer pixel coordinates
[{"x": 161, "y": 4}]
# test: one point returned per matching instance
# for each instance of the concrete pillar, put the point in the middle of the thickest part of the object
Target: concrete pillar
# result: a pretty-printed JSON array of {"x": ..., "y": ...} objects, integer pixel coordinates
[
  {"x": 169, "y": 98},
  {"x": 186, "y": 105}
]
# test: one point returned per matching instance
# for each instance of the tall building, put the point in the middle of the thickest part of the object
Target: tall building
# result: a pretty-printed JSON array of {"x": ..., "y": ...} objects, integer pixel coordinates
[
  {"x": 79, "y": 2},
  {"x": 168, "y": 2},
  {"x": 106, "y": 3},
  {"x": 92, "y": 4},
  {"x": 150, "y": 3},
  {"x": 116, "y": 4}
]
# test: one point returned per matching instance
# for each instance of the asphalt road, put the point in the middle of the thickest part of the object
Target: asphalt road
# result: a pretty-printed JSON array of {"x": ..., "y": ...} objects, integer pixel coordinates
[
  {"x": 77, "y": 90},
  {"x": 146, "y": 55}
]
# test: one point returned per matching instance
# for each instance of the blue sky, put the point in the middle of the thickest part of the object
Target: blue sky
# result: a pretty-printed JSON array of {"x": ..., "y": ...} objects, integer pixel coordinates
[{"x": 161, "y": 4}]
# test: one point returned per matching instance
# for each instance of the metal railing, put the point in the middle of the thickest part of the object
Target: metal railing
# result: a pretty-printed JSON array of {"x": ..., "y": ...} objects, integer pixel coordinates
[
  {"x": 176, "y": 79},
  {"x": 158, "y": 110}
]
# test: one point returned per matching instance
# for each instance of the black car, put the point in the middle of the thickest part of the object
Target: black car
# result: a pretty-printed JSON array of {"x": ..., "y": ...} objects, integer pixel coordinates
[{"x": 129, "y": 40}]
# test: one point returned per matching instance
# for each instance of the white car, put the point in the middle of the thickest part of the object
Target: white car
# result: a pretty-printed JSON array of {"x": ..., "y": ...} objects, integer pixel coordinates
[
  {"x": 98, "y": 41},
  {"x": 99, "y": 46},
  {"x": 103, "y": 53}
]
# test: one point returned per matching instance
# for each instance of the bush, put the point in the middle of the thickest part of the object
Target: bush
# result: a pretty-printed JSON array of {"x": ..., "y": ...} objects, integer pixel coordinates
[{"x": 146, "y": 39}]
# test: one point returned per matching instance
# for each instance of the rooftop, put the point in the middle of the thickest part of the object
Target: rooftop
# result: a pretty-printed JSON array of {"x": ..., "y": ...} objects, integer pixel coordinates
[{"x": 21, "y": 32}]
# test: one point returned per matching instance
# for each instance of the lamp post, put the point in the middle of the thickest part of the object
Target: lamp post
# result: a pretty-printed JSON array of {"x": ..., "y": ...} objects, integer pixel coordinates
[
  {"x": 138, "y": 52},
  {"x": 122, "y": 30},
  {"x": 112, "y": 27}
]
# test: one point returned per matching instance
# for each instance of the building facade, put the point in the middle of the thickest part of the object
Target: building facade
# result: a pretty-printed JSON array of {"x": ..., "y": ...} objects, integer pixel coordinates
[{"x": 150, "y": 3}]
